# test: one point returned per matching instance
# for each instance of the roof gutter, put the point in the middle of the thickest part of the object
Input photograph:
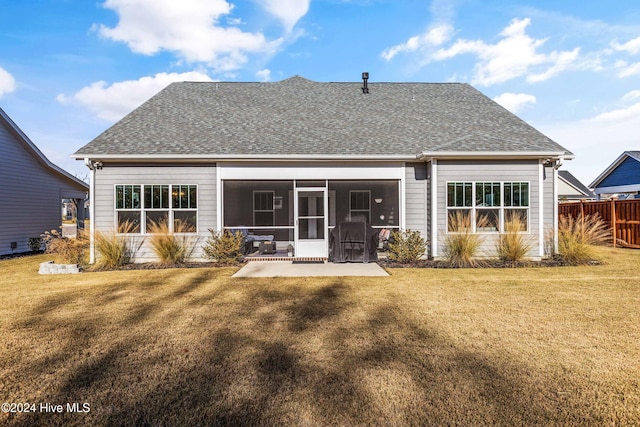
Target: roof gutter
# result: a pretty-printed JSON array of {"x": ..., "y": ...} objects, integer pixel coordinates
[
  {"x": 204, "y": 158},
  {"x": 511, "y": 155}
]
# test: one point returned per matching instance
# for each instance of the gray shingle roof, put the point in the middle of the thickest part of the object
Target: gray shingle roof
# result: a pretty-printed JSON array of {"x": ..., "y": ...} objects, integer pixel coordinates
[
  {"x": 297, "y": 116},
  {"x": 568, "y": 176}
]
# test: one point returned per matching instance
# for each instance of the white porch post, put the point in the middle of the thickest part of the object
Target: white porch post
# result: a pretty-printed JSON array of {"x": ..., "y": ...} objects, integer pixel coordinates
[
  {"x": 541, "y": 208},
  {"x": 92, "y": 212},
  {"x": 434, "y": 208}
]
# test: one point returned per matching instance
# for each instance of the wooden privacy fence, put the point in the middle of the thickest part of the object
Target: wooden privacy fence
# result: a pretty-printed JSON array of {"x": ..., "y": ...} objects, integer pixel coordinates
[{"x": 623, "y": 216}]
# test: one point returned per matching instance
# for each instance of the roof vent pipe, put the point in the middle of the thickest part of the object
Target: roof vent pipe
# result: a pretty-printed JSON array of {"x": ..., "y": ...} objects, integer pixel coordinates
[{"x": 365, "y": 77}]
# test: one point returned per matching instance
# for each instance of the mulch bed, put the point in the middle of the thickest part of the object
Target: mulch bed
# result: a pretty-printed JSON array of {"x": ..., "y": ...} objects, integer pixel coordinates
[{"x": 492, "y": 263}]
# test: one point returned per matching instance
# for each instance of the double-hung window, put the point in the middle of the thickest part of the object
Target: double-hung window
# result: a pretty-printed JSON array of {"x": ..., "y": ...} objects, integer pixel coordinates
[
  {"x": 184, "y": 207},
  {"x": 459, "y": 206},
  {"x": 263, "y": 208},
  {"x": 128, "y": 208},
  {"x": 156, "y": 206},
  {"x": 516, "y": 202},
  {"x": 140, "y": 207},
  {"x": 485, "y": 207},
  {"x": 360, "y": 205}
]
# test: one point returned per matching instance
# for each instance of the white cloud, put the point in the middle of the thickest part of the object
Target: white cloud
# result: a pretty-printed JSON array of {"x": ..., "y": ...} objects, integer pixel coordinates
[
  {"x": 7, "y": 82},
  {"x": 264, "y": 75},
  {"x": 434, "y": 37},
  {"x": 627, "y": 70},
  {"x": 596, "y": 142},
  {"x": 288, "y": 12},
  {"x": 634, "y": 94},
  {"x": 115, "y": 101},
  {"x": 632, "y": 46},
  {"x": 514, "y": 56},
  {"x": 188, "y": 28},
  {"x": 561, "y": 61},
  {"x": 618, "y": 115},
  {"x": 515, "y": 101}
]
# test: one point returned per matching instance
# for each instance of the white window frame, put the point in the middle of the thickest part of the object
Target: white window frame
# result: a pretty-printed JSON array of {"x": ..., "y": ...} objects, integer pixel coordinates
[
  {"x": 355, "y": 212},
  {"x": 272, "y": 210},
  {"x": 474, "y": 209},
  {"x": 142, "y": 209}
]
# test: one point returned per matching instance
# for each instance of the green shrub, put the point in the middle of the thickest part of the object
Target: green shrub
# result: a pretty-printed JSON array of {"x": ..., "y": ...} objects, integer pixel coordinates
[
  {"x": 171, "y": 248},
  {"x": 461, "y": 245},
  {"x": 406, "y": 246},
  {"x": 225, "y": 247},
  {"x": 512, "y": 245},
  {"x": 577, "y": 236},
  {"x": 67, "y": 250},
  {"x": 115, "y": 249}
]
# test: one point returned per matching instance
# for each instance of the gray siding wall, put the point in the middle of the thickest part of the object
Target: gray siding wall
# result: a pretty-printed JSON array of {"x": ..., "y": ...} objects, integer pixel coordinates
[
  {"x": 31, "y": 195},
  {"x": 548, "y": 209},
  {"x": 416, "y": 201},
  {"x": 204, "y": 176},
  {"x": 487, "y": 171}
]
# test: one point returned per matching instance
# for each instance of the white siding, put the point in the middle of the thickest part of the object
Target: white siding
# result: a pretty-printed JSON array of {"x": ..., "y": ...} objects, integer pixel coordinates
[
  {"x": 487, "y": 171},
  {"x": 31, "y": 194},
  {"x": 202, "y": 176}
]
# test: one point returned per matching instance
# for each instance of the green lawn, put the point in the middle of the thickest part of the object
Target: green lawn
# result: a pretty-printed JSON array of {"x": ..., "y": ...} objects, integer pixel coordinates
[{"x": 535, "y": 346}]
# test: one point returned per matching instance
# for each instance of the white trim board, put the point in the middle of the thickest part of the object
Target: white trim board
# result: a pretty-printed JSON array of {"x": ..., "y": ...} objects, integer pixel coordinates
[{"x": 310, "y": 171}]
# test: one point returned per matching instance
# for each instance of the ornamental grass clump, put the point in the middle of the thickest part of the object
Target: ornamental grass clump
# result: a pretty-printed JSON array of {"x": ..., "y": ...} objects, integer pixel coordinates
[
  {"x": 170, "y": 247},
  {"x": 462, "y": 244},
  {"x": 513, "y": 245},
  {"x": 406, "y": 246},
  {"x": 67, "y": 250},
  {"x": 224, "y": 248},
  {"x": 577, "y": 237},
  {"x": 115, "y": 249}
]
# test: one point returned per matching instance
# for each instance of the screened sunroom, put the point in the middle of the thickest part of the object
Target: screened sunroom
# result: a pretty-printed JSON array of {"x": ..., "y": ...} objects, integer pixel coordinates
[{"x": 300, "y": 214}]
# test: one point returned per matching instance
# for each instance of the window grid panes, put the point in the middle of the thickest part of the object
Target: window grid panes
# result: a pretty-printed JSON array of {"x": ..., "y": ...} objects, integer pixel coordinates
[
  {"x": 360, "y": 205},
  {"x": 487, "y": 205},
  {"x": 459, "y": 194},
  {"x": 263, "y": 212},
  {"x": 155, "y": 207}
]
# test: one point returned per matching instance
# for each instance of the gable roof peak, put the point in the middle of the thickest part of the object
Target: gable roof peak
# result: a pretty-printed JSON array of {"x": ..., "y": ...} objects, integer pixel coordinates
[{"x": 297, "y": 79}]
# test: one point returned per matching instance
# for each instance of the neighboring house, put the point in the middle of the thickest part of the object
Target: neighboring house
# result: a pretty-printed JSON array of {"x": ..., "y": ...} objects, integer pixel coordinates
[
  {"x": 32, "y": 189},
  {"x": 294, "y": 158},
  {"x": 570, "y": 188},
  {"x": 621, "y": 177}
]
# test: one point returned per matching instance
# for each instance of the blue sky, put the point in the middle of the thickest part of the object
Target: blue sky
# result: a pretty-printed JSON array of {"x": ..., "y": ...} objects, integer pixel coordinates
[{"x": 71, "y": 68}]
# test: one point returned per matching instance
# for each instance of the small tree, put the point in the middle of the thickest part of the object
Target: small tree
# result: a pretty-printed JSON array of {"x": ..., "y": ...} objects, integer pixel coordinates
[
  {"x": 225, "y": 247},
  {"x": 406, "y": 246}
]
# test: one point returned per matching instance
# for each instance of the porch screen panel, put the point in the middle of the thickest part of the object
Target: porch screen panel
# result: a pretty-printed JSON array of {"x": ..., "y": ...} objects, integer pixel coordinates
[{"x": 377, "y": 201}]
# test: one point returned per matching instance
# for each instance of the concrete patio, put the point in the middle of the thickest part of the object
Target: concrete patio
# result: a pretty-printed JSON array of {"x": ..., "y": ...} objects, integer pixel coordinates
[{"x": 290, "y": 269}]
